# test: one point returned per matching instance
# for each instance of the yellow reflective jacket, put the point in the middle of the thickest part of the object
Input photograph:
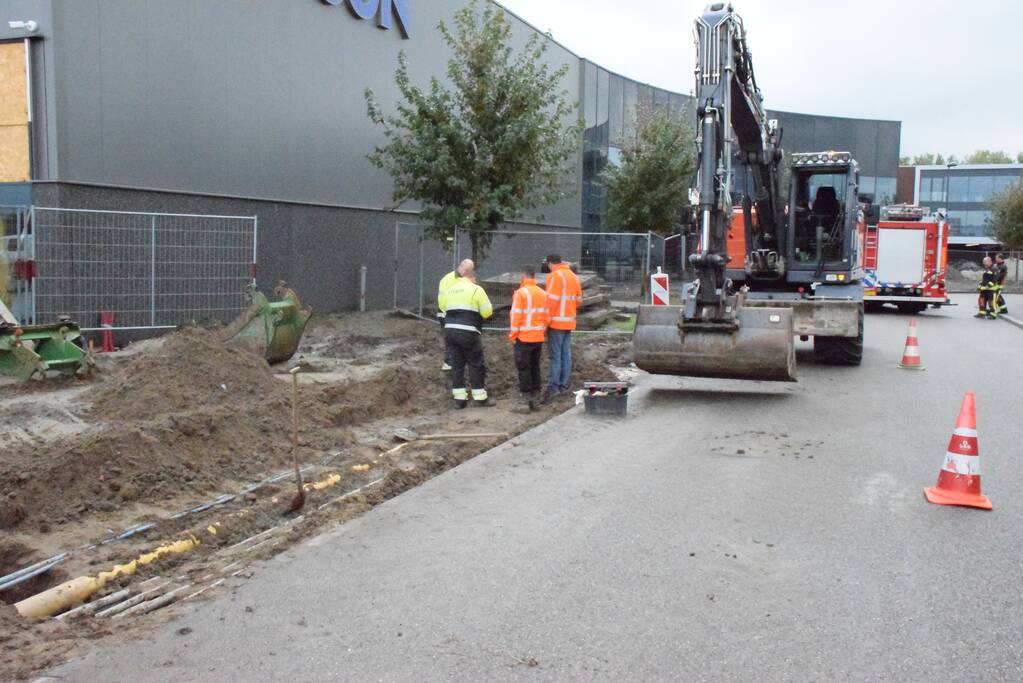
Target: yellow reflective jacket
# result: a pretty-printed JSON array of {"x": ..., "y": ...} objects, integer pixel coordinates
[
  {"x": 442, "y": 291},
  {"x": 466, "y": 306}
]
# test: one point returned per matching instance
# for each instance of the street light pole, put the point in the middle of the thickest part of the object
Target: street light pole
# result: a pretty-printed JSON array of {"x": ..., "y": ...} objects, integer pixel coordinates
[{"x": 948, "y": 181}]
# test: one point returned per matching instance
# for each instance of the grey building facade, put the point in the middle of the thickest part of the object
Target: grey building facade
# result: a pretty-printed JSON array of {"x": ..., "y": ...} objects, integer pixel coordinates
[{"x": 256, "y": 107}]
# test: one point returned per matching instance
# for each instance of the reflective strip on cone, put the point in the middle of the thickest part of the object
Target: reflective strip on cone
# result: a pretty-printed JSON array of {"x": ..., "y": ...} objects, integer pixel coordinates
[{"x": 956, "y": 463}]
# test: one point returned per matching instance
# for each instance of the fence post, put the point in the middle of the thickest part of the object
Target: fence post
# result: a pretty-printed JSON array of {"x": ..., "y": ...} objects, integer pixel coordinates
[
  {"x": 255, "y": 248},
  {"x": 362, "y": 289},
  {"x": 646, "y": 264},
  {"x": 421, "y": 275},
  {"x": 456, "y": 250},
  {"x": 397, "y": 236},
  {"x": 32, "y": 283},
  {"x": 152, "y": 270}
]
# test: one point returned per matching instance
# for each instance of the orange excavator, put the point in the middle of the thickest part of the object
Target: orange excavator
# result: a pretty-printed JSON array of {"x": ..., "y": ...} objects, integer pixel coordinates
[{"x": 769, "y": 266}]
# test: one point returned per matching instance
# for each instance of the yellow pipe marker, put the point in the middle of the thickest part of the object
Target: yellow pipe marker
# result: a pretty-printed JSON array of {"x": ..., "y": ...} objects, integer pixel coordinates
[{"x": 78, "y": 590}]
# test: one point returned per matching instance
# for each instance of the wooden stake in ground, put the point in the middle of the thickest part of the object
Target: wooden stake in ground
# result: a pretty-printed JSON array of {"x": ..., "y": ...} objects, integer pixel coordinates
[{"x": 298, "y": 502}]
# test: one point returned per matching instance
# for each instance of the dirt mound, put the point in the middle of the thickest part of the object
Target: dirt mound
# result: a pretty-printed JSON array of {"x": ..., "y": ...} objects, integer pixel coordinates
[
  {"x": 191, "y": 369},
  {"x": 182, "y": 417}
]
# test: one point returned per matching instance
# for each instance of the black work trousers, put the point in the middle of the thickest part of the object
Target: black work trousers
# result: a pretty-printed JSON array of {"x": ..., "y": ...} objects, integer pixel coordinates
[
  {"x": 465, "y": 351},
  {"x": 527, "y": 362},
  {"x": 444, "y": 341}
]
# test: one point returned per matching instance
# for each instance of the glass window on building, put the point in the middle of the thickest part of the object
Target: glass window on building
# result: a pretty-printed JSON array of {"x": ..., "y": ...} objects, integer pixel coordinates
[
  {"x": 590, "y": 95},
  {"x": 977, "y": 221},
  {"x": 956, "y": 220},
  {"x": 603, "y": 85},
  {"x": 932, "y": 189},
  {"x": 885, "y": 192},
  {"x": 631, "y": 100},
  {"x": 958, "y": 189},
  {"x": 981, "y": 188},
  {"x": 616, "y": 110},
  {"x": 868, "y": 185},
  {"x": 1004, "y": 182}
]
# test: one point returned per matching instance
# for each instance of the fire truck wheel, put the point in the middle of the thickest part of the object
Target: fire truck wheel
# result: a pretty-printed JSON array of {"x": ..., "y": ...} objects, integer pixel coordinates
[{"x": 839, "y": 350}]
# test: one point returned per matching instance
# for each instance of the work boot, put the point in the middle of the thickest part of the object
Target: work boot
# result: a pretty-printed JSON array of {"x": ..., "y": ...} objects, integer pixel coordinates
[
  {"x": 460, "y": 405},
  {"x": 523, "y": 405},
  {"x": 548, "y": 396},
  {"x": 980, "y": 314},
  {"x": 534, "y": 401},
  {"x": 481, "y": 399}
]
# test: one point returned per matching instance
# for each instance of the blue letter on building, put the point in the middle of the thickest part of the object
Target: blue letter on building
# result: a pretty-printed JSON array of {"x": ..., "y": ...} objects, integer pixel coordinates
[
  {"x": 401, "y": 11},
  {"x": 388, "y": 9},
  {"x": 363, "y": 9}
]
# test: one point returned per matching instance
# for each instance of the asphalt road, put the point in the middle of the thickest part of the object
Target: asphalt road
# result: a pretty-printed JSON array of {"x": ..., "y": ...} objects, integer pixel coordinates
[{"x": 723, "y": 531}]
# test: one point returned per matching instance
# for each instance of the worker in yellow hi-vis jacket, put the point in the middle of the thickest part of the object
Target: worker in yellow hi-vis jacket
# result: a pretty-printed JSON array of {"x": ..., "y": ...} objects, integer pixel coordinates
[{"x": 466, "y": 306}]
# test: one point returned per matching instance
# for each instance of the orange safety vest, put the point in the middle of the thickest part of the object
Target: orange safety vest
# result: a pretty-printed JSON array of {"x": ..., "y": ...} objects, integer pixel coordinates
[
  {"x": 528, "y": 313},
  {"x": 563, "y": 295}
]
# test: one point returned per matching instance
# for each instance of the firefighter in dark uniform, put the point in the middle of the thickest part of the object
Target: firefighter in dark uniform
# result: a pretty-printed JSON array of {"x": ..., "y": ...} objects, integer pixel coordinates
[
  {"x": 466, "y": 306},
  {"x": 1001, "y": 272},
  {"x": 987, "y": 289}
]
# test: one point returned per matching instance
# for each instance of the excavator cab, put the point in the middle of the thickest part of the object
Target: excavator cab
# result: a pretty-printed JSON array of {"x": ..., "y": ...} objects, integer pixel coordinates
[{"x": 823, "y": 218}]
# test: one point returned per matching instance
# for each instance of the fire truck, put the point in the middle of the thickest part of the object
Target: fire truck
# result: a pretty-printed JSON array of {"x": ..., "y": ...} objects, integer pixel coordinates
[{"x": 905, "y": 258}]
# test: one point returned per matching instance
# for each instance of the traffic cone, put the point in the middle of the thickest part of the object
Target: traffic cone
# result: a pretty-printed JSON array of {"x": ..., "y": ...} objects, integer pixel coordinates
[
  {"x": 911, "y": 356},
  {"x": 959, "y": 478}
]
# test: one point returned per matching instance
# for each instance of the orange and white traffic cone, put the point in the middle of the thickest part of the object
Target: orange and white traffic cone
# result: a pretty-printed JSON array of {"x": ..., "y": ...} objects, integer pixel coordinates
[
  {"x": 959, "y": 479},
  {"x": 911, "y": 356}
]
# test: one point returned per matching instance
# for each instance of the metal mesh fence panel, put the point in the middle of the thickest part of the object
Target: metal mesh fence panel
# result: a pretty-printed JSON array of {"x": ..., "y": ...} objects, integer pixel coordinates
[
  {"x": 15, "y": 253},
  {"x": 149, "y": 270},
  {"x": 420, "y": 261},
  {"x": 622, "y": 260}
]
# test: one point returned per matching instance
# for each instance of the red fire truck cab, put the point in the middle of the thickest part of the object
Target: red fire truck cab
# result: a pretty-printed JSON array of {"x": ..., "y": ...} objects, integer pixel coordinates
[{"x": 905, "y": 258}]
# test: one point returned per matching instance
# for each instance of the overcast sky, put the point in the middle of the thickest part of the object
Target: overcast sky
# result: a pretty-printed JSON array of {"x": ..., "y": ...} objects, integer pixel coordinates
[{"x": 950, "y": 70}]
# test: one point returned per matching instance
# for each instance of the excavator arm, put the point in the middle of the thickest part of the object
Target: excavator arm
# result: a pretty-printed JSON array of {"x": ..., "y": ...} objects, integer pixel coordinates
[
  {"x": 731, "y": 121},
  {"x": 714, "y": 334}
]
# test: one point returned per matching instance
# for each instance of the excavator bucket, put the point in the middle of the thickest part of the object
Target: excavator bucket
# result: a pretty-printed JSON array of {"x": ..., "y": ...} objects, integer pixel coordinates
[
  {"x": 760, "y": 347},
  {"x": 272, "y": 329},
  {"x": 30, "y": 350}
]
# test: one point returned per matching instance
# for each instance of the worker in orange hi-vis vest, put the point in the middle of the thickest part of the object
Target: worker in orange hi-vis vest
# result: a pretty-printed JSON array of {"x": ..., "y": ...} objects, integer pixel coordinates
[
  {"x": 528, "y": 328},
  {"x": 563, "y": 296}
]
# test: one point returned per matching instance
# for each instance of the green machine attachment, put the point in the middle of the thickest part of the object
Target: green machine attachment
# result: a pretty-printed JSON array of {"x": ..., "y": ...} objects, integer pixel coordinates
[
  {"x": 27, "y": 351},
  {"x": 271, "y": 329}
]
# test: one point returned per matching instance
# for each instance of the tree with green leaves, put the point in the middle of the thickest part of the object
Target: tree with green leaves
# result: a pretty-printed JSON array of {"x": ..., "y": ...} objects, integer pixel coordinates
[
  {"x": 1019, "y": 158},
  {"x": 987, "y": 156},
  {"x": 649, "y": 191},
  {"x": 1007, "y": 216},
  {"x": 905, "y": 161},
  {"x": 496, "y": 143}
]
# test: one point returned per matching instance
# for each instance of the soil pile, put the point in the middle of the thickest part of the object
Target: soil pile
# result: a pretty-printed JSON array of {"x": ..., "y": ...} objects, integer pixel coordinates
[{"x": 183, "y": 417}]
